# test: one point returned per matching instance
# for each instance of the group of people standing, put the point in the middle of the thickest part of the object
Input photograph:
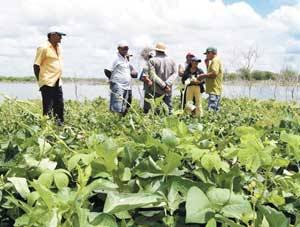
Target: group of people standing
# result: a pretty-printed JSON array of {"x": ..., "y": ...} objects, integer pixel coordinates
[{"x": 158, "y": 74}]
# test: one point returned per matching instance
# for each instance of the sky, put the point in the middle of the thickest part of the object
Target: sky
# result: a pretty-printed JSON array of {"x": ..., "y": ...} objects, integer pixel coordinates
[{"x": 94, "y": 28}]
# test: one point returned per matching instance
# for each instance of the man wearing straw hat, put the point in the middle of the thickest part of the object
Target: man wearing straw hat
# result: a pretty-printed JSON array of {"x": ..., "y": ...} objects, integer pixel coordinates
[{"x": 165, "y": 68}]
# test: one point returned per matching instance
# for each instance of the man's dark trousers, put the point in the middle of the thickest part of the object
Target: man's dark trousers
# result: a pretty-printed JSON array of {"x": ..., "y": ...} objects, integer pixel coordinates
[{"x": 53, "y": 101}]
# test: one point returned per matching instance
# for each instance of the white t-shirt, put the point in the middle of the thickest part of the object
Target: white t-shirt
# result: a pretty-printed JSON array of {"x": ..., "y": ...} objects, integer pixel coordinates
[{"x": 121, "y": 73}]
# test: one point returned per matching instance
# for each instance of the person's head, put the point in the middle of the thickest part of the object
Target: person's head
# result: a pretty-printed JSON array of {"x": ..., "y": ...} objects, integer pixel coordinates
[
  {"x": 123, "y": 48},
  {"x": 211, "y": 52},
  {"x": 147, "y": 53},
  {"x": 160, "y": 48},
  {"x": 195, "y": 61},
  {"x": 55, "y": 37},
  {"x": 188, "y": 57}
]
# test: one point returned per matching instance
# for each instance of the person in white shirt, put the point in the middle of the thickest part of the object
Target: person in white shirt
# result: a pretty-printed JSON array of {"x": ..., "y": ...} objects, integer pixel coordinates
[{"x": 120, "y": 81}]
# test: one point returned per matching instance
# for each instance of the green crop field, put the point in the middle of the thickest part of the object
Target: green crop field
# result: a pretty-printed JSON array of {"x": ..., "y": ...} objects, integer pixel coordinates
[{"x": 238, "y": 167}]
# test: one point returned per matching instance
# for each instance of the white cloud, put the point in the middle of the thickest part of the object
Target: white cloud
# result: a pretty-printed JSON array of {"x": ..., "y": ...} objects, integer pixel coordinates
[{"x": 95, "y": 26}]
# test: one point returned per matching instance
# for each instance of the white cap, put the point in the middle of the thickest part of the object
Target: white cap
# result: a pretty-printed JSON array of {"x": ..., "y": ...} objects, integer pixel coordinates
[{"x": 122, "y": 43}]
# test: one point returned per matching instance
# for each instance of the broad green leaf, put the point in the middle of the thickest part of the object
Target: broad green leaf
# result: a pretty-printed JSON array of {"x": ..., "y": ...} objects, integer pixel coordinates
[
  {"x": 274, "y": 217},
  {"x": 276, "y": 199},
  {"x": 245, "y": 130},
  {"x": 107, "y": 153},
  {"x": 33, "y": 197},
  {"x": 198, "y": 207},
  {"x": 147, "y": 168},
  {"x": 229, "y": 204},
  {"x": 104, "y": 220},
  {"x": 211, "y": 161},
  {"x": 44, "y": 145},
  {"x": 61, "y": 180},
  {"x": 227, "y": 222},
  {"x": 171, "y": 162},
  {"x": 211, "y": 223},
  {"x": 46, "y": 195},
  {"x": 46, "y": 164},
  {"x": 82, "y": 215},
  {"x": 174, "y": 198},
  {"x": 53, "y": 219},
  {"x": 182, "y": 129},
  {"x": 20, "y": 185},
  {"x": 195, "y": 152},
  {"x": 116, "y": 202},
  {"x": 21, "y": 221},
  {"x": 253, "y": 154},
  {"x": 99, "y": 185},
  {"x": 169, "y": 138},
  {"x": 293, "y": 142},
  {"x": 46, "y": 179},
  {"x": 238, "y": 207},
  {"x": 126, "y": 176},
  {"x": 85, "y": 158}
]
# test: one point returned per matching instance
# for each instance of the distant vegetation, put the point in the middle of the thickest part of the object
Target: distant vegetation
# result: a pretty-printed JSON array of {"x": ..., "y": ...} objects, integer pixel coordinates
[
  {"x": 287, "y": 75},
  {"x": 65, "y": 79},
  {"x": 243, "y": 74}
]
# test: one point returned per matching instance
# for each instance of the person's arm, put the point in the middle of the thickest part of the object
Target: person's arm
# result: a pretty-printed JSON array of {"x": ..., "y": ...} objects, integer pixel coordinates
[
  {"x": 180, "y": 70},
  {"x": 153, "y": 76},
  {"x": 36, "y": 70},
  {"x": 173, "y": 76},
  {"x": 39, "y": 58},
  {"x": 214, "y": 69},
  {"x": 133, "y": 71}
]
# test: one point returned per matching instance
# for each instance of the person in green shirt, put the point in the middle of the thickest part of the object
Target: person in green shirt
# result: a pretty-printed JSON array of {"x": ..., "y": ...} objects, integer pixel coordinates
[{"x": 213, "y": 78}]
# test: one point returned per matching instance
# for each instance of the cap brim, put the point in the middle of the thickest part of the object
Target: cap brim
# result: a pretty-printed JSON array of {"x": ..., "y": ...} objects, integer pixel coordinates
[{"x": 58, "y": 33}]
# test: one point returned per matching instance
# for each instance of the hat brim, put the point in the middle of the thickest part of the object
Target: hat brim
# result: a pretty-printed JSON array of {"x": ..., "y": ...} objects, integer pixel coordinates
[
  {"x": 198, "y": 61},
  {"x": 161, "y": 50}
]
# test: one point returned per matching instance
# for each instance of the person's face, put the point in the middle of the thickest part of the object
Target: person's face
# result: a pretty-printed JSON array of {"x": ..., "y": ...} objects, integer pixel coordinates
[
  {"x": 123, "y": 50},
  {"x": 55, "y": 38},
  {"x": 194, "y": 64},
  {"x": 210, "y": 55},
  {"x": 188, "y": 59}
]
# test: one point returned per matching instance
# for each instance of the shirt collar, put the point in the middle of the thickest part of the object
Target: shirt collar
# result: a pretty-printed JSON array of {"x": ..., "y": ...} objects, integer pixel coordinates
[
  {"x": 123, "y": 58},
  {"x": 50, "y": 45}
]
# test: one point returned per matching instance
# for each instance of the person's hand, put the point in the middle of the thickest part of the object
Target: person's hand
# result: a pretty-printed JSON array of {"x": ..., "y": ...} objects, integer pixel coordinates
[
  {"x": 147, "y": 81},
  {"x": 167, "y": 89},
  {"x": 134, "y": 74},
  {"x": 201, "y": 76}
]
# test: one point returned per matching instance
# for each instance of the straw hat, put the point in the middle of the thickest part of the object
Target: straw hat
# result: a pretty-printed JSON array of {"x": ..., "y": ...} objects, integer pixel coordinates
[{"x": 160, "y": 47}]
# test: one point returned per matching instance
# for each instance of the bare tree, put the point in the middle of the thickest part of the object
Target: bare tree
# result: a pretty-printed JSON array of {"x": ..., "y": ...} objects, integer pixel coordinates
[{"x": 249, "y": 59}]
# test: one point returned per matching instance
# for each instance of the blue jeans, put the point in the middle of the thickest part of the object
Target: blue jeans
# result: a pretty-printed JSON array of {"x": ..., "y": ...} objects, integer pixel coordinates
[
  {"x": 214, "y": 102},
  {"x": 120, "y": 99}
]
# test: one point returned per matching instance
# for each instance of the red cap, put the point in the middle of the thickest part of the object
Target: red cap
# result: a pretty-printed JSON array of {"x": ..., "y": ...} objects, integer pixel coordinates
[{"x": 190, "y": 54}]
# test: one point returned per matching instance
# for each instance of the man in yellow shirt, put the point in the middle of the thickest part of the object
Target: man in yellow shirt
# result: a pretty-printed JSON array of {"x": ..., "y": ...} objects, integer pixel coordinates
[
  {"x": 48, "y": 71},
  {"x": 213, "y": 78}
]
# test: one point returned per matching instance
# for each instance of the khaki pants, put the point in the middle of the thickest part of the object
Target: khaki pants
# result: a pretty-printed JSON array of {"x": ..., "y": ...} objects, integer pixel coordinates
[{"x": 193, "y": 93}]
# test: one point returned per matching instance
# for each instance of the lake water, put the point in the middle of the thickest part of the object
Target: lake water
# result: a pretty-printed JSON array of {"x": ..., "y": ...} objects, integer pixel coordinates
[{"x": 74, "y": 91}]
